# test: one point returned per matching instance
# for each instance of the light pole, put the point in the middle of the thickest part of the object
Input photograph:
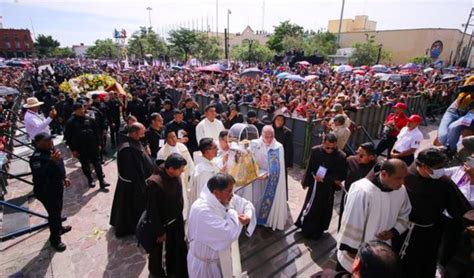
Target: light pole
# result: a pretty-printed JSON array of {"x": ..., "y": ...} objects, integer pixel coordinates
[
  {"x": 149, "y": 15},
  {"x": 340, "y": 23},
  {"x": 228, "y": 14},
  {"x": 217, "y": 18},
  {"x": 380, "y": 53},
  {"x": 227, "y": 41}
]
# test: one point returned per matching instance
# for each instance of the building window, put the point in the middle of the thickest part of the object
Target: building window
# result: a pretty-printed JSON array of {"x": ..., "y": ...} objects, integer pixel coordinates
[
  {"x": 18, "y": 45},
  {"x": 8, "y": 45},
  {"x": 27, "y": 45}
]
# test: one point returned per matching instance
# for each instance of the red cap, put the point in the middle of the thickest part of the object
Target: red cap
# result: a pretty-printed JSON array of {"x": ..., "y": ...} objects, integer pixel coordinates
[
  {"x": 400, "y": 105},
  {"x": 415, "y": 118}
]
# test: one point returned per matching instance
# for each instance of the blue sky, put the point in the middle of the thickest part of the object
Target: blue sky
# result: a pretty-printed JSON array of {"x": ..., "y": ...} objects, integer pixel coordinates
[{"x": 76, "y": 21}]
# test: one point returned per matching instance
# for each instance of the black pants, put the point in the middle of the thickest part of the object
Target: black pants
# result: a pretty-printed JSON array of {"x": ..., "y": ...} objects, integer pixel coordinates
[
  {"x": 176, "y": 252},
  {"x": 386, "y": 143},
  {"x": 114, "y": 130},
  {"x": 86, "y": 161},
  {"x": 51, "y": 196},
  {"x": 422, "y": 252}
]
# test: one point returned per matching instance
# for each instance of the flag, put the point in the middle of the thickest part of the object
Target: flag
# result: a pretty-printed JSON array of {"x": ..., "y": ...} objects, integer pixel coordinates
[
  {"x": 145, "y": 64},
  {"x": 228, "y": 11}
]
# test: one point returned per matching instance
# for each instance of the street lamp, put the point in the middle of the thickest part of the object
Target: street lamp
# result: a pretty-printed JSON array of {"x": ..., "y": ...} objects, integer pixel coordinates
[
  {"x": 340, "y": 23},
  {"x": 380, "y": 53},
  {"x": 149, "y": 15}
]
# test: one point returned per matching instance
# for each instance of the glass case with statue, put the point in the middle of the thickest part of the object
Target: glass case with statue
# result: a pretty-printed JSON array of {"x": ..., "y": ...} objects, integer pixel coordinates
[{"x": 240, "y": 161}]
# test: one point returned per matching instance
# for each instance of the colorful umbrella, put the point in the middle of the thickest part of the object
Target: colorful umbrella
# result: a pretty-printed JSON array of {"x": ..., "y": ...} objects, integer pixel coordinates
[
  {"x": 251, "y": 72},
  {"x": 409, "y": 66},
  {"x": 344, "y": 69},
  {"x": 311, "y": 77},
  {"x": 6, "y": 91},
  {"x": 303, "y": 63},
  {"x": 210, "y": 69},
  {"x": 379, "y": 68},
  {"x": 282, "y": 74},
  {"x": 294, "y": 77},
  {"x": 359, "y": 72}
]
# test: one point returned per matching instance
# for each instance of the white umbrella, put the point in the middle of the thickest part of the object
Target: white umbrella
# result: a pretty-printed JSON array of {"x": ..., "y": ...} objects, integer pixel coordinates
[
  {"x": 344, "y": 68},
  {"x": 311, "y": 77},
  {"x": 427, "y": 70}
]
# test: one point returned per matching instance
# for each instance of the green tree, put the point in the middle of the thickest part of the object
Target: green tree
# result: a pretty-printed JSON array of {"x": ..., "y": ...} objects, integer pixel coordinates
[
  {"x": 324, "y": 43},
  {"x": 207, "y": 47},
  {"x": 250, "y": 50},
  {"x": 102, "y": 49},
  {"x": 146, "y": 41},
  {"x": 420, "y": 60},
  {"x": 183, "y": 42},
  {"x": 285, "y": 28},
  {"x": 366, "y": 53},
  {"x": 63, "y": 52},
  {"x": 293, "y": 42},
  {"x": 45, "y": 45}
]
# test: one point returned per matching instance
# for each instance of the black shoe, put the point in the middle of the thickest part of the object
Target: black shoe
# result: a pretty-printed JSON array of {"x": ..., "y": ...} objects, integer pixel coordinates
[
  {"x": 104, "y": 184},
  {"x": 59, "y": 247},
  {"x": 65, "y": 229},
  {"x": 91, "y": 184}
]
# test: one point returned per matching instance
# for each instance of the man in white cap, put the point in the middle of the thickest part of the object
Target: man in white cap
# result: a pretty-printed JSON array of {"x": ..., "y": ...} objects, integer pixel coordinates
[{"x": 34, "y": 121}]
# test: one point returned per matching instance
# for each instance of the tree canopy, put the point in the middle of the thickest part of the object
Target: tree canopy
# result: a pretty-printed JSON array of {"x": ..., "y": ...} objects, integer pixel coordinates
[
  {"x": 146, "y": 41},
  {"x": 103, "y": 49},
  {"x": 185, "y": 42},
  {"x": 63, "y": 52},
  {"x": 45, "y": 45},
  {"x": 284, "y": 29},
  {"x": 250, "y": 50},
  {"x": 366, "y": 53}
]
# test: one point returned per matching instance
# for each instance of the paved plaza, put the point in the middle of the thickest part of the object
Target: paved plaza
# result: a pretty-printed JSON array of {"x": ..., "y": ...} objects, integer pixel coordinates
[{"x": 93, "y": 250}]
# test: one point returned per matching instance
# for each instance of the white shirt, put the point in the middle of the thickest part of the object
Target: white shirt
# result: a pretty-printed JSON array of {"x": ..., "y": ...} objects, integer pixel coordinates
[
  {"x": 208, "y": 129},
  {"x": 36, "y": 123},
  {"x": 408, "y": 139}
]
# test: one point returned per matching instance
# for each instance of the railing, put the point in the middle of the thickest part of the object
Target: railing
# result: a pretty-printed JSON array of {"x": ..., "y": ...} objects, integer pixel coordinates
[{"x": 367, "y": 124}]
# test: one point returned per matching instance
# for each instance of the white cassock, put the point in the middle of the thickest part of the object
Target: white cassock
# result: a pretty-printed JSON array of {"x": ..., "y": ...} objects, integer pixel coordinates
[
  {"x": 203, "y": 172},
  {"x": 369, "y": 211},
  {"x": 268, "y": 195},
  {"x": 213, "y": 233},
  {"x": 181, "y": 149},
  {"x": 208, "y": 129}
]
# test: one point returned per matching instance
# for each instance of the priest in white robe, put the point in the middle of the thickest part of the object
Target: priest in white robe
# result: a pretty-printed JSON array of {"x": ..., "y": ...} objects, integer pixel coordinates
[
  {"x": 216, "y": 220},
  {"x": 173, "y": 146},
  {"x": 268, "y": 194},
  {"x": 377, "y": 208},
  {"x": 209, "y": 126},
  {"x": 205, "y": 168}
]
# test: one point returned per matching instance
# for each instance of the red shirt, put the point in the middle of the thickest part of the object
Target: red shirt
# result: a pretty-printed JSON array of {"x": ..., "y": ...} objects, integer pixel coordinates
[{"x": 400, "y": 122}]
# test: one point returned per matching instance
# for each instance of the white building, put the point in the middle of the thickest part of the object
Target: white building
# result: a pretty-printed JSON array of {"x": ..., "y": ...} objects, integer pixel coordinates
[{"x": 80, "y": 50}]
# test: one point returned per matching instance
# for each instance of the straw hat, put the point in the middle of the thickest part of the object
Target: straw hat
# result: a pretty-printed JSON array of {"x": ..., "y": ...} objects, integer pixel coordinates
[{"x": 32, "y": 102}]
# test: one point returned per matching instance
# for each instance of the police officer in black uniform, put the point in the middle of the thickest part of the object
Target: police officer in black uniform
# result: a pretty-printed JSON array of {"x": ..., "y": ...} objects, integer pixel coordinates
[
  {"x": 136, "y": 107},
  {"x": 49, "y": 180},
  {"x": 82, "y": 135},
  {"x": 97, "y": 111},
  {"x": 113, "y": 116}
]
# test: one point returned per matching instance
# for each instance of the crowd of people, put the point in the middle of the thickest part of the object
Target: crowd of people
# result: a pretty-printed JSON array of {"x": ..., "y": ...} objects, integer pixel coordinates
[{"x": 173, "y": 164}]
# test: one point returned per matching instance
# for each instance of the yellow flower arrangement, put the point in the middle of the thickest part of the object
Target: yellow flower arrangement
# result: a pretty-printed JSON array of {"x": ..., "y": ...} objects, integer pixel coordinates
[{"x": 86, "y": 83}]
